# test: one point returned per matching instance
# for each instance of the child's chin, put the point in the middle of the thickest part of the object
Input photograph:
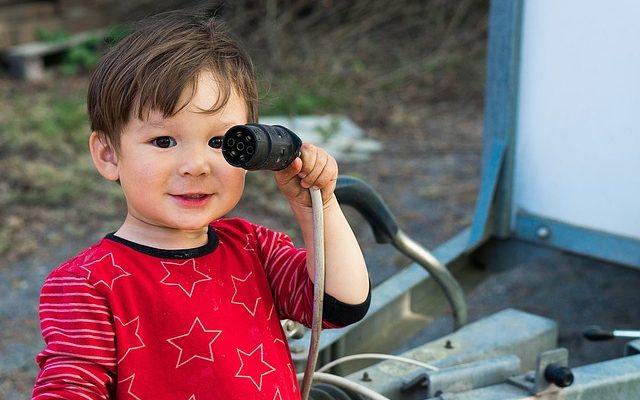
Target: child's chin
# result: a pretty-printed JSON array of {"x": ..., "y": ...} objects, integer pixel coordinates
[{"x": 190, "y": 228}]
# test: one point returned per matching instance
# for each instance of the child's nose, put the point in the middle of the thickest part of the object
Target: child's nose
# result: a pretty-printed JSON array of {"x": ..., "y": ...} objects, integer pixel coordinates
[{"x": 196, "y": 162}]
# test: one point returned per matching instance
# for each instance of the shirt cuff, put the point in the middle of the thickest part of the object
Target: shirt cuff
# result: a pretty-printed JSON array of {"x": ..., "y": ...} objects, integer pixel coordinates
[{"x": 340, "y": 314}]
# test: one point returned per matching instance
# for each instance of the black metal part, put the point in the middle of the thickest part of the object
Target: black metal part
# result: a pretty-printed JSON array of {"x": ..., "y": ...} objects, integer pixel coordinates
[
  {"x": 420, "y": 381},
  {"x": 260, "y": 147},
  {"x": 359, "y": 195},
  {"x": 548, "y": 363},
  {"x": 356, "y": 193},
  {"x": 597, "y": 333},
  {"x": 560, "y": 376},
  {"x": 325, "y": 391}
]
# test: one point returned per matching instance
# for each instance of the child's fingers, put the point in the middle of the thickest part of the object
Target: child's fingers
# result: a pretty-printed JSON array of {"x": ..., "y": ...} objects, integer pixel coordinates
[
  {"x": 290, "y": 174},
  {"x": 312, "y": 168},
  {"x": 308, "y": 154},
  {"x": 323, "y": 175},
  {"x": 313, "y": 160},
  {"x": 293, "y": 170}
]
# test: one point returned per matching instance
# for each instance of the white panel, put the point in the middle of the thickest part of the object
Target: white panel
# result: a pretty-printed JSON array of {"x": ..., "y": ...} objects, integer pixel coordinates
[{"x": 578, "y": 135}]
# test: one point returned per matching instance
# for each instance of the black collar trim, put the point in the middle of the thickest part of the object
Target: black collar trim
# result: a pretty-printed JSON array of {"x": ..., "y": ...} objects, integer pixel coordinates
[{"x": 207, "y": 248}]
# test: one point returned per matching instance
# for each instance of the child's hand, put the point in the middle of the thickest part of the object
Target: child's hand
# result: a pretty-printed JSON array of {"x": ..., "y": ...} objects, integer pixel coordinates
[{"x": 314, "y": 168}]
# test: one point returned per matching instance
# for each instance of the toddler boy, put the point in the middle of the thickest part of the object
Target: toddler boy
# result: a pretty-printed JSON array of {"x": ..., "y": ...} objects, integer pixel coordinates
[{"x": 179, "y": 302}]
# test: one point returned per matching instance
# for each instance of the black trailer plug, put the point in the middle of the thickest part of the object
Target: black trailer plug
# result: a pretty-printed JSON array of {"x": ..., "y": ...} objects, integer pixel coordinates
[
  {"x": 597, "y": 333},
  {"x": 260, "y": 147},
  {"x": 558, "y": 375}
]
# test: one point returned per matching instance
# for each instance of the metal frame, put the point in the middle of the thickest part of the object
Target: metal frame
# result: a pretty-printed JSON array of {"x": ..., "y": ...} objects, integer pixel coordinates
[
  {"x": 493, "y": 207},
  {"x": 493, "y": 216},
  {"x": 588, "y": 242}
]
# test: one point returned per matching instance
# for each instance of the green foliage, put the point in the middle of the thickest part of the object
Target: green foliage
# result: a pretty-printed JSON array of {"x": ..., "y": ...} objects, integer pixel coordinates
[
  {"x": 48, "y": 183},
  {"x": 293, "y": 97},
  {"x": 79, "y": 57},
  {"x": 48, "y": 127},
  {"x": 44, "y": 35},
  {"x": 115, "y": 34},
  {"x": 41, "y": 151},
  {"x": 86, "y": 55},
  {"x": 40, "y": 183},
  {"x": 328, "y": 131}
]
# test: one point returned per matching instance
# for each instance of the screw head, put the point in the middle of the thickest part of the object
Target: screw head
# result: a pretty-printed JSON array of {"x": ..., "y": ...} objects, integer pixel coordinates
[{"x": 543, "y": 232}]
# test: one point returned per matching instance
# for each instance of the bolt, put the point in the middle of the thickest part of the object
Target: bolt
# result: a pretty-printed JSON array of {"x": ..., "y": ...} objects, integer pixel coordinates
[
  {"x": 530, "y": 376},
  {"x": 288, "y": 325},
  {"x": 543, "y": 232},
  {"x": 365, "y": 377},
  {"x": 448, "y": 345}
]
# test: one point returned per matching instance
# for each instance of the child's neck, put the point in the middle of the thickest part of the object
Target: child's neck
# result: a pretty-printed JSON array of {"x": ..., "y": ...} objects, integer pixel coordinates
[{"x": 162, "y": 237}]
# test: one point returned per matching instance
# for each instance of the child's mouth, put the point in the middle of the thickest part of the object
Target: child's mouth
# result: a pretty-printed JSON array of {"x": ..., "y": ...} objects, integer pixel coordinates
[{"x": 192, "y": 199}]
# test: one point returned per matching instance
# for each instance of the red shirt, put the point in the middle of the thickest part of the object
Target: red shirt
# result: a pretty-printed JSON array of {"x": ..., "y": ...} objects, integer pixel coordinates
[{"x": 126, "y": 321}]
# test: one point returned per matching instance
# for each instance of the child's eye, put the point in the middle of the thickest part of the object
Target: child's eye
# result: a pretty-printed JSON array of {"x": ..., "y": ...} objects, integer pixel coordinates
[
  {"x": 164, "y": 142},
  {"x": 215, "y": 142}
]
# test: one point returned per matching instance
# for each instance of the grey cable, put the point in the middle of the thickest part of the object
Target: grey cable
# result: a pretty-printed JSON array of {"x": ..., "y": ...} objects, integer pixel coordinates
[
  {"x": 377, "y": 356},
  {"x": 318, "y": 290}
]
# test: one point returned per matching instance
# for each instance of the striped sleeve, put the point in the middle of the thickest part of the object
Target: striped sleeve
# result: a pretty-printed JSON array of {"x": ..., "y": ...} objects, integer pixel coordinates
[
  {"x": 285, "y": 266},
  {"x": 79, "y": 358},
  {"x": 292, "y": 288}
]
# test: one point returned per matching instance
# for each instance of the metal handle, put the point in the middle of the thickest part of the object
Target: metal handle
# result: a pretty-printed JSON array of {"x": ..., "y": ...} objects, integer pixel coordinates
[
  {"x": 358, "y": 194},
  {"x": 597, "y": 333}
]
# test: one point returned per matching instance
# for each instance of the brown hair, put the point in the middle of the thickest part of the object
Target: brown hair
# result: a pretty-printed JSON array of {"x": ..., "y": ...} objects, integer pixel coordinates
[{"x": 150, "y": 68}]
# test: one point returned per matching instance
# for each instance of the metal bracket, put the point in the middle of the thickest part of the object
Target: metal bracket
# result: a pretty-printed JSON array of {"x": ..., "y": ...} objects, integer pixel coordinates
[
  {"x": 535, "y": 381},
  {"x": 632, "y": 348}
]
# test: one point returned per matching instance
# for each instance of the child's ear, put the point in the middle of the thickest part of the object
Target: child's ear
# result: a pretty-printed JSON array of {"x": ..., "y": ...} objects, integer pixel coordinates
[{"x": 104, "y": 157}]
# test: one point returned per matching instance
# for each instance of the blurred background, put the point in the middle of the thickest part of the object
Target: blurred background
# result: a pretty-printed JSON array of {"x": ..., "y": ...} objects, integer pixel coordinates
[{"x": 409, "y": 74}]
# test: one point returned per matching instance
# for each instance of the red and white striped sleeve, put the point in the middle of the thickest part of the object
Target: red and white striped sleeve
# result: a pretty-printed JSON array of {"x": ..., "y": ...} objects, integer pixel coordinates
[
  {"x": 285, "y": 266},
  {"x": 292, "y": 288},
  {"x": 79, "y": 359}
]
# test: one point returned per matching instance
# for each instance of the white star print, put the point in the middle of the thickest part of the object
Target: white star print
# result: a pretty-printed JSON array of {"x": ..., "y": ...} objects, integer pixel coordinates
[
  {"x": 271, "y": 312},
  {"x": 119, "y": 272},
  {"x": 126, "y": 326},
  {"x": 267, "y": 368},
  {"x": 248, "y": 246},
  {"x": 277, "y": 395},
  {"x": 178, "y": 274},
  {"x": 131, "y": 378},
  {"x": 293, "y": 372},
  {"x": 191, "y": 345},
  {"x": 238, "y": 293}
]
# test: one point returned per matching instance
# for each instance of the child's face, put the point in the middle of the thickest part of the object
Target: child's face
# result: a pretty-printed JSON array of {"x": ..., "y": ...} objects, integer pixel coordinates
[{"x": 170, "y": 174}]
